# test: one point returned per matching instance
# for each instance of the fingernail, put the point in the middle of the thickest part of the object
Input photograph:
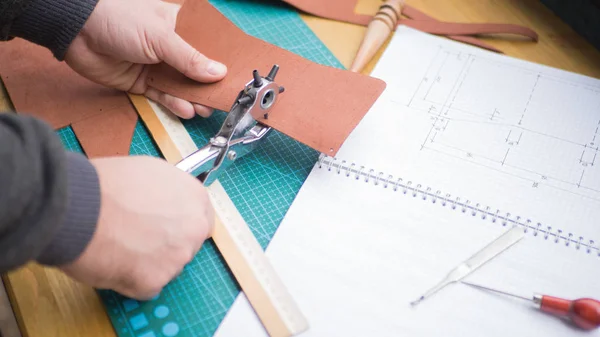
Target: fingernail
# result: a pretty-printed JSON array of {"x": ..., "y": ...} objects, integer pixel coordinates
[{"x": 216, "y": 68}]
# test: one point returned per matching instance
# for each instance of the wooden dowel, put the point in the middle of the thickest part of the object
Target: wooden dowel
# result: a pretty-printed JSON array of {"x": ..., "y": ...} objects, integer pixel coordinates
[{"x": 378, "y": 31}]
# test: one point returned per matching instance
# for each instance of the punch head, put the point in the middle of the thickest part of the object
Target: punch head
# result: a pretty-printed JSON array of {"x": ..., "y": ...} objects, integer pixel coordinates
[
  {"x": 378, "y": 31},
  {"x": 281, "y": 89},
  {"x": 257, "y": 79},
  {"x": 273, "y": 73}
]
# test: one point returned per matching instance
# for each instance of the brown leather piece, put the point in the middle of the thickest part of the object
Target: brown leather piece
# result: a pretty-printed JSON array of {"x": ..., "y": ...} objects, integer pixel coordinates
[
  {"x": 320, "y": 106},
  {"x": 343, "y": 10},
  {"x": 108, "y": 133},
  {"x": 41, "y": 86}
]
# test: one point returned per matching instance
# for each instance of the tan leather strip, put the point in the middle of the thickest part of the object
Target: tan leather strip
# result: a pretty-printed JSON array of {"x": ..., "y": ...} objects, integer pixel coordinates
[
  {"x": 416, "y": 14},
  {"x": 413, "y": 13},
  {"x": 473, "y": 41},
  {"x": 449, "y": 28},
  {"x": 342, "y": 10}
]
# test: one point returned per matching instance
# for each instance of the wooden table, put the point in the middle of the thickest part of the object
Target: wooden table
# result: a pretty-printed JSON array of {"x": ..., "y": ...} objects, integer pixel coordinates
[{"x": 48, "y": 304}]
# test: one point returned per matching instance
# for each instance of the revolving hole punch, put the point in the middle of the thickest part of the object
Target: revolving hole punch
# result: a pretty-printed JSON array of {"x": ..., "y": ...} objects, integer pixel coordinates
[{"x": 240, "y": 132}]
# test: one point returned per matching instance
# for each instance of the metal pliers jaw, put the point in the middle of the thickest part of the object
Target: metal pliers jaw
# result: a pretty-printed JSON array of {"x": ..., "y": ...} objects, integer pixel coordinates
[{"x": 240, "y": 132}]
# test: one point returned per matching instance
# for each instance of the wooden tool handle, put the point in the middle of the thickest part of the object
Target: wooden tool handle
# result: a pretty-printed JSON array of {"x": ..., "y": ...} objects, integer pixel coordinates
[
  {"x": 378, "y": 31},
  {"x": 389, "y": 13}
]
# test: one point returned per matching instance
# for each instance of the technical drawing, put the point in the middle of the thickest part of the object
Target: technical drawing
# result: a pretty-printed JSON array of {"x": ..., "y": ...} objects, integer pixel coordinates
[{"x": 521, "y": 122}]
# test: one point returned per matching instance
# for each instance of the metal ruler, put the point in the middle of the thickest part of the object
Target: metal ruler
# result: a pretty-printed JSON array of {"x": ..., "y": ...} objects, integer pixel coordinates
[{"x": 244, "y": 256}]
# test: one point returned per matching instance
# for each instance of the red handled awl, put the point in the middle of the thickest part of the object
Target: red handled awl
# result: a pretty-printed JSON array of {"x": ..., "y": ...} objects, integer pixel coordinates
[{"x": 584, "y": 312}]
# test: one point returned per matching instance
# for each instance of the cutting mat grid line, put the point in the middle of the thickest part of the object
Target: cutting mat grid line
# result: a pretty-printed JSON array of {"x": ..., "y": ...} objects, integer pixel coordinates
[{"x": 262, "y": 185}]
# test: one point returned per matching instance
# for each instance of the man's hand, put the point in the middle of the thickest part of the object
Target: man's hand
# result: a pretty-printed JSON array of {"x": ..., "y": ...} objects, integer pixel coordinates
[
  {"x": 121, "y": 37},
  {"x": 153, "y": 216},
  {"x": 153, "y": 220}
]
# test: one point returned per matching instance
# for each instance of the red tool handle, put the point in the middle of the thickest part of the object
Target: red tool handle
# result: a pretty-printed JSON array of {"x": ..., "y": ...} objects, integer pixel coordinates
[{"x": 584, "y": 312}]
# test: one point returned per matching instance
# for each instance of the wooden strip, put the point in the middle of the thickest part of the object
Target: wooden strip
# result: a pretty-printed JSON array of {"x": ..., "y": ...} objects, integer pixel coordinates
[
  {"x": 264, "y": 290},
  {"x": 251, "y": 287},
  {"x": 182, "y": 139},
  {"x": 48, "y": 303},
  {"x": 5, "y": 103},
  {"x": 8, "y": 321}
]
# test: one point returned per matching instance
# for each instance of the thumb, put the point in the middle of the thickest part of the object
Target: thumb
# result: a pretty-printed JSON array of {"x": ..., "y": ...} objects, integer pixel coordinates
[{"x": 177, "y": 53}]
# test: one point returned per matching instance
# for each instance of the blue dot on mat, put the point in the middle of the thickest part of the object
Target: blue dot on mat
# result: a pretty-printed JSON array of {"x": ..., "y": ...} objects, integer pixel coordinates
[
  {"x": 139, "y": 321},
  {"x": 161, "y": 311},
  {"x": 148, "y": 334},
  {"x": 170, "y": 329},
  {"x": 130, "y": 304}
]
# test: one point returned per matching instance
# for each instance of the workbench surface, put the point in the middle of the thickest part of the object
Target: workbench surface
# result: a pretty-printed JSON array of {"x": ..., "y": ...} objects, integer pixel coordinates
[{"x": 46, "y": 303}]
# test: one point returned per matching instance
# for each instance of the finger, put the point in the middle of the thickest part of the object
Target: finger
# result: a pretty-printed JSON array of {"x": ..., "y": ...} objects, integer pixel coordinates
[
  {"x": 140, "y": 86},
  {"x": 145, "y": 284},
  {"x": 178, "y": 106},
  {"x": 202, "y": 110},
  {"x": 174, "y": 51},
  {"x": 136, "y": 294},
  {"x": 132, "y": 289}
]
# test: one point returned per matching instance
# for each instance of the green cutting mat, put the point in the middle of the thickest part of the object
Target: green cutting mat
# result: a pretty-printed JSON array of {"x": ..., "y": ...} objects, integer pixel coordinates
[{"x": 262, "y": 185}]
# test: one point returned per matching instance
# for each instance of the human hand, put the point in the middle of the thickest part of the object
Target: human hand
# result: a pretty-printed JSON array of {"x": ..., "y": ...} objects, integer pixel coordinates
[
  {"x": 153, "y": 220},
  {"x": 119, "y": 40}
]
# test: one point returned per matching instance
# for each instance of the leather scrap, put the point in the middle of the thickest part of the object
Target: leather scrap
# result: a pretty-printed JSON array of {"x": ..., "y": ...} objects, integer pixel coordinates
[
  {"x": 320, "y": 106},
  {"x": 343, "y": 10},
  {"x": 106, "y": 134},
  {"x": 103, "y": 119}
]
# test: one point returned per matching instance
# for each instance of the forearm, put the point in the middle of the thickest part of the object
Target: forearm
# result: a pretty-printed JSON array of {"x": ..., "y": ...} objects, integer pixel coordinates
[
  {"x": 50, "y": 23},
  {"x": 49, "y": 198}
]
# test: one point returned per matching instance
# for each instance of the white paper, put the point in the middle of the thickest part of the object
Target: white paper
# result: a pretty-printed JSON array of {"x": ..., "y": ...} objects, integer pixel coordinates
[{"x": 500, "y": 136}]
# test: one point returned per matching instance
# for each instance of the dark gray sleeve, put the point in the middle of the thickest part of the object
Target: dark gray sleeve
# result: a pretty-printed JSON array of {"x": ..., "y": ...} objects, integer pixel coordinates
[
  {"x": 49, "y": 23},
  {"x": 49, "y": 198}
]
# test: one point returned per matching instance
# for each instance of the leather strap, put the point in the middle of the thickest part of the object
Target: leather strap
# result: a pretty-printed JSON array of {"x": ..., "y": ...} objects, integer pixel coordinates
[
  {"x": 343, "y": 10},
  {"x": 416, "y": 14}
]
